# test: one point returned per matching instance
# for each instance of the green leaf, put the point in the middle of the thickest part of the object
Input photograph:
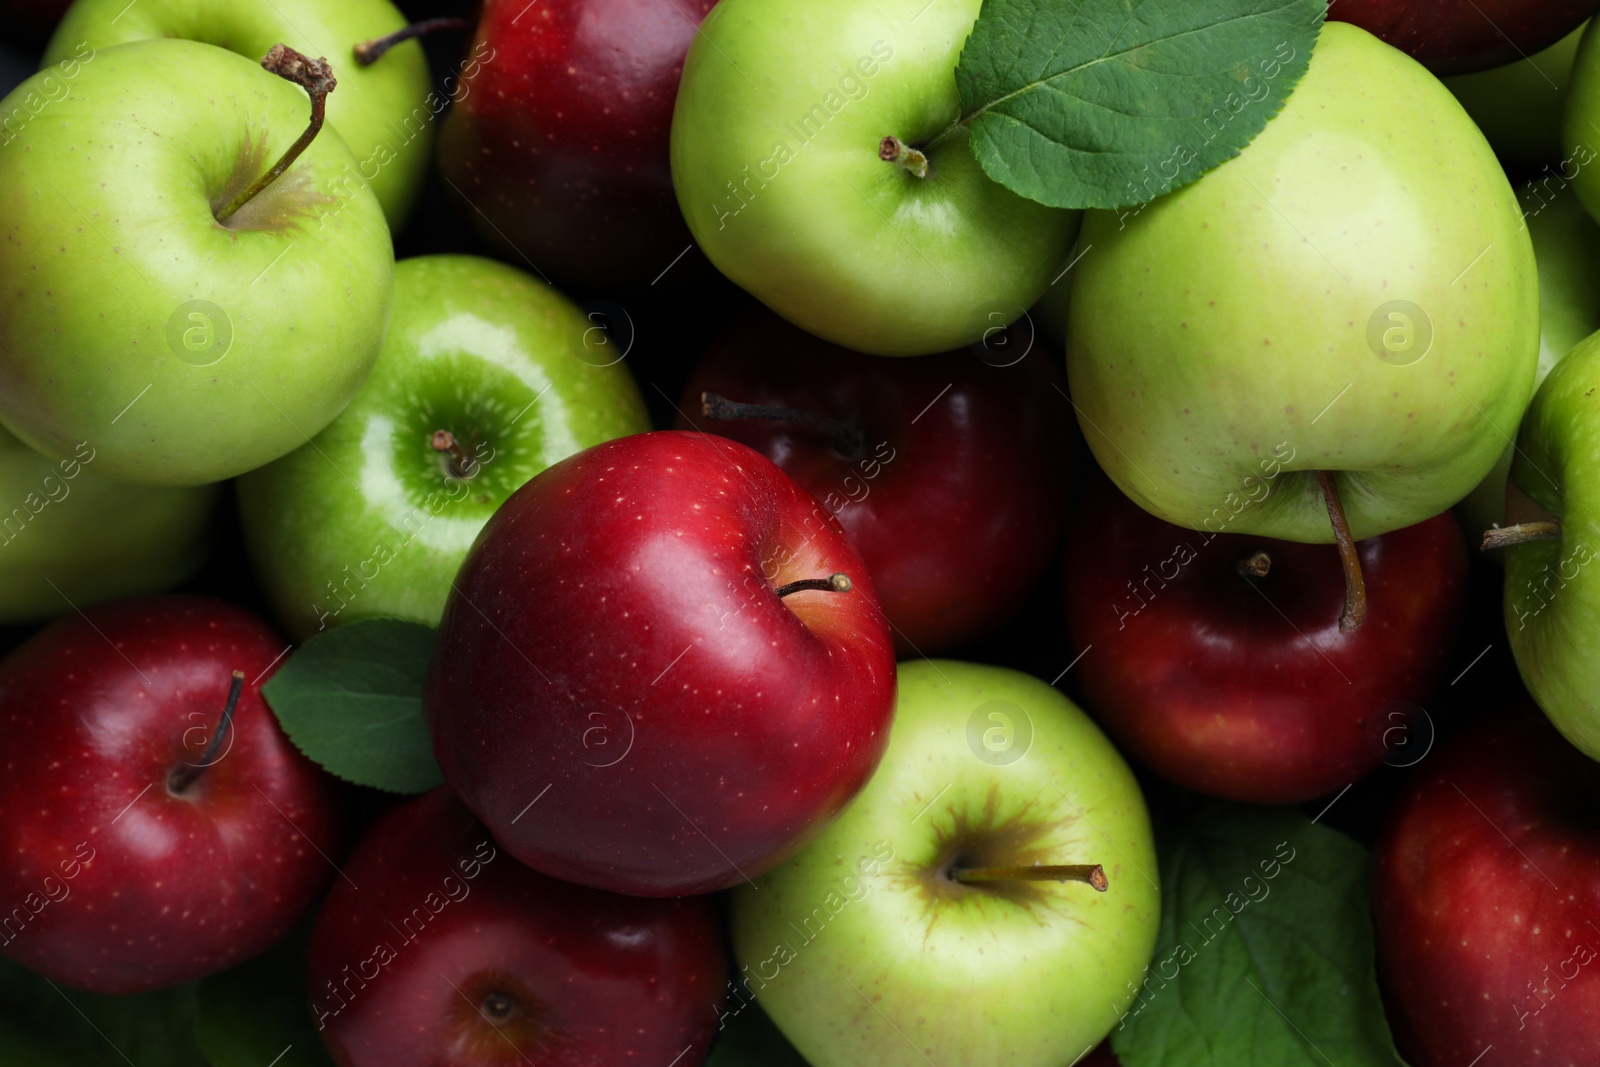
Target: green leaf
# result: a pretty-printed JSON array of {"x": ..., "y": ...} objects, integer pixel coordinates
[
  {"x": 260, "y": 1012},
  {"x": 1266, "y": 952},
  {"x": 351, "y": 699},
  {"x": 44, "y": 1022},
  {"x": 749, "y": 1038},
  {"x": 1107, "y": 103}
]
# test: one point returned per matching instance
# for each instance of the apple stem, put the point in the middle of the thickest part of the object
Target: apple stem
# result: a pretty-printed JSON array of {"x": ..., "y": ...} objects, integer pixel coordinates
[
  {"x": 1520, "y": 534},
  {"x": 460, "y": 465},
  {"x": 845, "y": 437},
  {"x": 1256, "y": 565},
  {"x": 369, "y": 52},
  {"x": 833, "y": 583},
  {"x": 1091, "y": 874},
  {"x": 1355, "y": 586},
  {"x": 183, "y": 777},
  {"x": 316, "y": 78},
  {"x": 893, "y": 150}
]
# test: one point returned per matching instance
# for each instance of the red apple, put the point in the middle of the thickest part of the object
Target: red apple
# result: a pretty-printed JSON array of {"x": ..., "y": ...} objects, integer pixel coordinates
[
  {"x": 948, "y": 473},
  {"x": 441, "y": 949},
  {"x": 134, "y": 853},
  {"x": 623, "y": 692},
  {"x": 1243, "y": 686},
  {"x": 1486, "y": 902},
  {"x": 559, "y": 142},
  {"x": 1457, "y": 36}
]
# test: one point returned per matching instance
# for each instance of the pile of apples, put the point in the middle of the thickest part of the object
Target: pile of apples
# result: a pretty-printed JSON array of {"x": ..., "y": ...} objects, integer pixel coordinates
[{"x": 559, "y": 531}]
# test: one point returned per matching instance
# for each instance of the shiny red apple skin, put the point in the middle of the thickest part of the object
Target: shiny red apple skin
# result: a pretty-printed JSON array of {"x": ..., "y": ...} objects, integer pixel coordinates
[
  {"x": 99, "y": 709},
  {"x": 559, "y": 143},
  {"x": 958, "y": 497},
  {"x": 435, "y": 918},
  {"x": 621, "y": 696},
  {"x": 1459, "y": 36},
  {"x": 1246, "y": 689},
  {"x": 1486, "y": 898}
]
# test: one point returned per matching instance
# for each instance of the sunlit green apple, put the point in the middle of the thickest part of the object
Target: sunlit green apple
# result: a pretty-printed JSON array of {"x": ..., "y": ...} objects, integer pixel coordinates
[
  {"x": 904, "y": 936},
  {"x": 1552, "y": 592},
  {"x": 184, "y": 350},
  {"x": 384, "y": 111},
  {"x": 69, "y": 537},
  {"x": 775, "y": 158},
  {"x": 1519, "y": 106},
  {"x": 373, "y": 517},
  {"x": 1566, "y": 242},
  {"x": 1355, "y": 293}
]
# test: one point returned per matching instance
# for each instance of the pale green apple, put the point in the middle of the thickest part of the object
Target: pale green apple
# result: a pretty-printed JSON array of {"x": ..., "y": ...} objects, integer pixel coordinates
[
  {"x": 369, "y": 519},
  {"x": 1552, "y": 593},
  {"x": 775, "y": 144},
  {"x": 183, "y": 350},
  {"x": 384, "y": 111},
  {"x": 1355, "y": 293},
  {"x": 1519, "y": 106},
  {"x": 1566, "y": 242},
  {"x": 70, "y": 537},
  {"x": 865, "y": 950}
]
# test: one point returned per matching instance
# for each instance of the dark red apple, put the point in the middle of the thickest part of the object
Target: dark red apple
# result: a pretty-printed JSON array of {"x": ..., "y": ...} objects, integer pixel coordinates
[
  {"x": 947, "y": 472},
  {"x": 1240, "y": 684},
  {"x": 559, "y": 142},
  {"x": 1458, "y": 36},
  {"x": 442, "y": 949},
  {"x": 1486, "y": 902},
  {"x": 134, "y": 852},
  {"x": 646, "y": 679}
]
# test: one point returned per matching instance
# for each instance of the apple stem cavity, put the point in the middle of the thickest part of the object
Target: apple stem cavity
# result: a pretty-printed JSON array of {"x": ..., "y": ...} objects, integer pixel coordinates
[
  {"x": 369, "y": 52},
  {"x": 183, "y": 777},
  {"x": 1091, "y": 874},
  {"x": 833, "y": 583},
  {"x": 1520, "y": 534},
  {"x": 458, "y": 464},
  {"x": 1256, "y": 565},
  {"x": 893, "y": 150},
  {"x": 1355, "y": 586},
  {"x": 315, "y": 76},
  {"x": 846, "y": 438}
]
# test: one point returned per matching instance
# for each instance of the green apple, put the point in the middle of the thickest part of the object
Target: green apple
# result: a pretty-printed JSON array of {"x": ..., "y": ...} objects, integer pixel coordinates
[
  {"x": 1566, "y": 242},
  {"x": 1552, "y": 592},
  {"x": 1355, "y": 293},
  {"x": 1580, "y": 122},
  {"x": 775, "y": 157},
  {"x": 70, "y": 537},
  {"x": 370, "y": 518},
  {"x": 875, "y": 944},
  {"x": 384, "y": 111},
  {"x": 1519, "y": 106},
  {"x": 182, "y": 349}
]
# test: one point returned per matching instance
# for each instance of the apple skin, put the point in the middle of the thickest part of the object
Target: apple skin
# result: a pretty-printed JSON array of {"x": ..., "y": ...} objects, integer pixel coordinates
[
  {"x": 90, "y": 538},
  {"x": 810, "y": 221},
  {"x": 890, "y": 975},
  {"x": 363, "y": 521},
  {"x": 561, "y": 645},
  {"x": 93, "y": 318},
  {"x": 561, "y": 145},
  {"x": 1477, "y": 945},
  {"x": 958, "y": 501},
  {"x": 1566, "y": 243},
  {"x": 1245, "y": 688},
  {"x": 595, "y": 977},
  {"x": 1519, "y": 106},
  {"x": 383, "y": 111},
  {"x": 1458, "y": 36},
  {"x": 1210, "y": 330},
  {"x": 1552, "y": 593},
  {"x": 166, "y": 887},
  {"x": 1579, "y": 139}
]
